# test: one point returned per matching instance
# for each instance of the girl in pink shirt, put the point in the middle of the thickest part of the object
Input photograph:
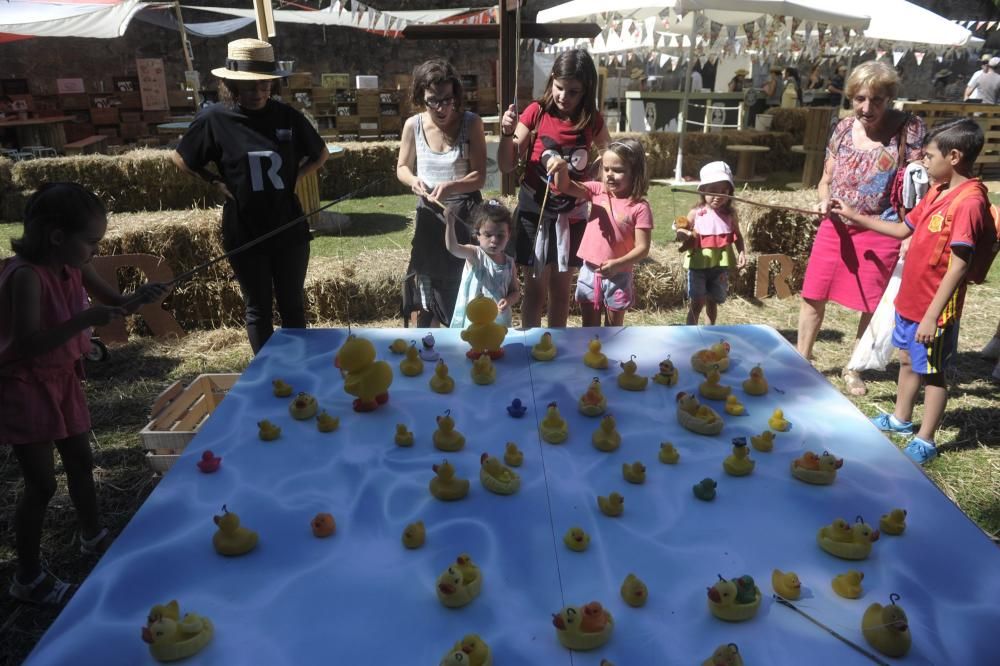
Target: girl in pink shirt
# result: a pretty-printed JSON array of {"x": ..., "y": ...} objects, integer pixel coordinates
[
  {"x": 44, "y": 331},
  {"x": 617, "y": 234}
]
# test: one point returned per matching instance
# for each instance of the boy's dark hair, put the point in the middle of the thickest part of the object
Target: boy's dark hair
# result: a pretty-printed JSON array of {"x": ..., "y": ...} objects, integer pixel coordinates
[
  {"x": 432, "y": 73},
  {"x": 964, "y": 135},
  {"x": 491, "y": 210},
  {"x": 64, "y": 206},
  {"x": 574, "y": 64},
  {"x": 633, "y": 154}
]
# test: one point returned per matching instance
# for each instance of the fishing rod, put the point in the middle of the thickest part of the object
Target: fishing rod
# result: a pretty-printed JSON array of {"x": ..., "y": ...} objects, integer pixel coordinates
[
  {"x": 788, "y": 604},
  {"x": 791, "y": 209}
]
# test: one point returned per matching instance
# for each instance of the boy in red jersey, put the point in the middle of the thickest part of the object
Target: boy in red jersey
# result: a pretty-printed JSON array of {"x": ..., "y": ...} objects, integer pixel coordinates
[{"x": 948, "y": 226}]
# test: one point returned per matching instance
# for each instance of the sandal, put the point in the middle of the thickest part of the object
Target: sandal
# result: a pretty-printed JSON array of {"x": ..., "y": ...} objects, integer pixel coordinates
[
  {"x": 855, "y": 385},
  {"x": 45, "y": 590},
  {"x": 93, "y": 546}
]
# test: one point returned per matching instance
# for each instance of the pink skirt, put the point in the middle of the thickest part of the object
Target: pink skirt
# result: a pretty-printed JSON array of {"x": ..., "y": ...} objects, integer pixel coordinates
[
  {"x": 36, "y": 409},
  {"x": 849, "y": 266}
]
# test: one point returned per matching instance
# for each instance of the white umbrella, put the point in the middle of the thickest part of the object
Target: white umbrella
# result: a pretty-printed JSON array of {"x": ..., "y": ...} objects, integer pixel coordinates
[
  {"x": 902, "y": 21},
  {"x": 726, "y": 12}
]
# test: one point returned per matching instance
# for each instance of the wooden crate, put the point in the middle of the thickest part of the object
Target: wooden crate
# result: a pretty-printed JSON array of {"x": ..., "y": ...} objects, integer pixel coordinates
[{"x": 177, "y": 413}]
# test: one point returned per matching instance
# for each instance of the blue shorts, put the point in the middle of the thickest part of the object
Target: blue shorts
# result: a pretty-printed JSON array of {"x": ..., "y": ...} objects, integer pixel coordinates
[
  {"x": 614, "y": 292},
  {"x": 926, "y": 359},
  {"x": 711, "y": 282}
]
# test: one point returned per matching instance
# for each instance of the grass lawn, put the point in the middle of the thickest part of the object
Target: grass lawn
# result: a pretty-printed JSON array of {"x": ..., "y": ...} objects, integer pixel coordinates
[{"x": 121, "y": 390}]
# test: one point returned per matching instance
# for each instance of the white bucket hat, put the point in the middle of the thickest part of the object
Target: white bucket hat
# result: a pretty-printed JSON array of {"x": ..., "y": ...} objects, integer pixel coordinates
[
  {"x": 249, "y": 60},
  {"x": 716, "y": 172}
]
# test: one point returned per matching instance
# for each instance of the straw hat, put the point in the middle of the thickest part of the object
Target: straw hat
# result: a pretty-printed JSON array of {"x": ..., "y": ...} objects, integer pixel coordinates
[
  {"x": 637, "y": 74},
  {"x": 249, "y": 60},
  {"x": 741, "y": 72},
  {"x": 985, "y": 57},
  {"x": 943, "y": 74}
]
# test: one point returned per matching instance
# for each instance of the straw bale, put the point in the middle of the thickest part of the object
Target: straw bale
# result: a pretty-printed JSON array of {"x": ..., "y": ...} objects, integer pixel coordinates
[
  {"x": 770, "y": 231},
  {"x": 206, "y": 304},
  {"x": 363, "y": 163},
  {"x": 702, "y": 148},
  {"x": 6, "y": 174},
  {"x": 792, "y": 121},
  {"x": 185, "y": 238},
  {"x": 136, "y": 180},
  {"x": 12, "y": 205}
]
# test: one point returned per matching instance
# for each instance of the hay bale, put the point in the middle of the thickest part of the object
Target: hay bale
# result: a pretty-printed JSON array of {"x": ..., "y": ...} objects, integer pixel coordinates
[
  {"x": 12, "y": 205},
  {"x": 362, "y": 164},
  {"x": 792, "y": 121},
  {"x": 185, "y": 238},
  {"x": 207, "y": 304},
  {"x": 770, "y": 231},
  {"x": 660, "y": 280}
]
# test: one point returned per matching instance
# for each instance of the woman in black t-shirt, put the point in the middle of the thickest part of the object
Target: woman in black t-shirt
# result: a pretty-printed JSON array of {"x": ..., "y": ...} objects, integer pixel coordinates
[{"x": 260, "y": 148}]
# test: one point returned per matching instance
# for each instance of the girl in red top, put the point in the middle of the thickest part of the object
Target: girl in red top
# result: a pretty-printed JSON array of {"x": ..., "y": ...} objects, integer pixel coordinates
[
  {"x": 564, "y": 123},
  {"x": 44, "y": 330}
]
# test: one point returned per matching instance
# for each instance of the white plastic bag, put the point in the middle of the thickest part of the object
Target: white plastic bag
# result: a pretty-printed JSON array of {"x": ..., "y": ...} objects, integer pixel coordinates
[{"x": 874, "y": 350}]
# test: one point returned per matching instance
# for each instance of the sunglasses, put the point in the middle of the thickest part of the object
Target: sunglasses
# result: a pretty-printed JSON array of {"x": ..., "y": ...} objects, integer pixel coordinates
[{"x": 437, "y": 104}]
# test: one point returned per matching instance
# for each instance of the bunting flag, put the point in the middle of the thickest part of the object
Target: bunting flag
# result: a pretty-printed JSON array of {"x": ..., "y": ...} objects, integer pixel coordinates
[
  {"x": 897, "y": 56},
  {"x": 796, "y": 22},
  {"x": 808, "y": 29},
  {"x": 748, "y": 30},
  {"x": 919, "y": 57},
  {"x": 664, "y": 59},
  {"x": 879, "y": 53},
  {"x": 714, "y": 31},
  {"x": 821, "y": 32}
]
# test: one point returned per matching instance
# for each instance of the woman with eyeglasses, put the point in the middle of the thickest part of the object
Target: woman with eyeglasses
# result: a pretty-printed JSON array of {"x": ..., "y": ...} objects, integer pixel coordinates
[{"x": 442, "y": 159}]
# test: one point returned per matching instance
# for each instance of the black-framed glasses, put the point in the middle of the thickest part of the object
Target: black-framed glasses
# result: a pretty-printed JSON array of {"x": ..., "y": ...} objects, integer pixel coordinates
[{"x": 437, "y": 104}]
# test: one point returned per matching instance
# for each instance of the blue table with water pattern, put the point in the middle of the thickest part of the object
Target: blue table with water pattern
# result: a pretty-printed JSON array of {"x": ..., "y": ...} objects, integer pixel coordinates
[{"x": 361, "y": 598}]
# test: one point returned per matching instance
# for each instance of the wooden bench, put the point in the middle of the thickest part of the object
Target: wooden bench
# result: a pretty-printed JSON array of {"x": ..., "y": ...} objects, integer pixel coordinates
[
  {"x": 92, "y": 144},
  {"x": 987, "y": 115}
]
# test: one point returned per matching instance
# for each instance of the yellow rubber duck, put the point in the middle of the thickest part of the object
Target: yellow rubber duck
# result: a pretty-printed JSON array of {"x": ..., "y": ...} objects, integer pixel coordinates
[
  {"x": 231, "y": 539},
  {"x": 668, "y": 374},
  {"x": 734, "y": 600},
  {"x": 831, "y": 539},
  {"x": 172, "y": 638},
  {"x": 441, "y": 382},
  {"x": 669, "y": 455},
  {"x": 634, "y": 472},
  {"x": 404, "y": 437},
  {"x": 613, "y": 505},
  {"x": 786, "y": 585},
  {"x": 778, "y": 422},
  {"x": 398, "y": 346},
  {"x": 445, "y": 485},
  {"x": 593, "y": 402},
  {"x": 848, "y": 584},
  {"x": 496, "y": 478},
  {"x": 739, "y": 463},
  {"x": 886, "y": 628},
  {"x": 414, "y": 535},
  {"x": 446, "y": 438},
  {"x": 303, "y": 407},
  {"x": 483, "y": 334},
  {"x": 733, "y": 406},
  {"x": 712, "y": 389},
  {"x": 513, "y": 455},
  {"x": 820, "y": 470},
  {"x": 628, "y": 379},
  {"x": 412, "y": 365},
  {"x": 764, "y": 442},
  {"x": 281, "y": 389},
  {"x": 594, "y": 358},
  {"x": 756, "y": 384},
  {"x": 470, "y": 651},
  {"x": 716, "y": 356},
  {"x": 365, "y": 378},
  {"x": 606, "y": 438},
  {"x": 267, "y": 431},
  {"x": 483, "y": 371},
  {"x": 634, "y": 591},
  {"x": 576, "y": 539},
  {"x": 553, "y": 427},
  {"x": 893, "y": 523},
  {"x": 697, "y": 417},
  {"x": 583, "y": 627},
  {"x": 327, "y": 423},
  {"x": 545, "y": 350},
  {"x": 459, "y": 584},
  {"x": 725, "y": 655}
]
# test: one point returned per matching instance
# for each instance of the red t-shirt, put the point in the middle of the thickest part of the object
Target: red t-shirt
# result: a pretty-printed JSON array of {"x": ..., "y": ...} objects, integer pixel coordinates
[
  {"x": 560, "y": 137},
  {"x": 921, "y": 279},
  {"x": 610, "y": 231}
]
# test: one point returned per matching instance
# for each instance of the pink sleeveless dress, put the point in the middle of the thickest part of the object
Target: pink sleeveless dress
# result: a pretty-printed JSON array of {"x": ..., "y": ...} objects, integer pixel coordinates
[{"x": 41, "y": 398}]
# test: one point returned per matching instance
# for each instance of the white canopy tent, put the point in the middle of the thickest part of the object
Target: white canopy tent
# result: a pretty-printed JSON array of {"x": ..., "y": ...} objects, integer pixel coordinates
[
  {"x": 103, "y": 20},
  {"x": 902, "y": 21},
  {"x": 726, "y": 12},
  {"x": 371, "y": 20}
]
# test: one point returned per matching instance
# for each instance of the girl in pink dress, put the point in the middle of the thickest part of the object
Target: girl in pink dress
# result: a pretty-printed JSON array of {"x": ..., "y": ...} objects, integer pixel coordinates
[
  {"x": 44, "y": 331},
  {"x": 848, "y": 265},
  {"x": 617, "y": 234}
]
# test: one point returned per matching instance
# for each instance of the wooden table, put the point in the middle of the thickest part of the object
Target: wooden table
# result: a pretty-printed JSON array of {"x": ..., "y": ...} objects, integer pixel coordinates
[
  {"x": 47, "y": 132},
  {"x": 744, "y": 167}
]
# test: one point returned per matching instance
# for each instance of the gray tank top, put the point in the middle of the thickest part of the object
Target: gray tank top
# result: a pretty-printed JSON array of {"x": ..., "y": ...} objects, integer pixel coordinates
[{"x": 434, "y": 168}]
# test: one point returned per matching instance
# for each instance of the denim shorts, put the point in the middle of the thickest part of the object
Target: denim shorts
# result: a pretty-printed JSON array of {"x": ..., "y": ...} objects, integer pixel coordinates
[
  {"x": 710, "y": 282},
  {"x": 614, "y": 292},
  {"x": 926, "y": 359}
]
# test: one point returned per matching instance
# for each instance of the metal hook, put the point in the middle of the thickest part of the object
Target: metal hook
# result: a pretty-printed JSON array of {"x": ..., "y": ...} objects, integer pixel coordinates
[{"x": 893, "y": 598}]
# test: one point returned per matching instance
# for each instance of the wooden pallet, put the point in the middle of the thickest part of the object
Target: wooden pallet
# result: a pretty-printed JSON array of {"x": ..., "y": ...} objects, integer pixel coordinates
[
  {"x": 178, "y": 413},
  {"x": 987, "y": 115}
]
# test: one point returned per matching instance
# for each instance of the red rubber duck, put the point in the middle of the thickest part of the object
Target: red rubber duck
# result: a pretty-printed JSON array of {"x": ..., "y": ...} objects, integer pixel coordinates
[{"x": 209, "y": 462}]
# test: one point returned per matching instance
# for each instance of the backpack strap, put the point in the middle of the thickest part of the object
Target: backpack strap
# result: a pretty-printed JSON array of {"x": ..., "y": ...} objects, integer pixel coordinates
[{"x": 944, "y": 236}]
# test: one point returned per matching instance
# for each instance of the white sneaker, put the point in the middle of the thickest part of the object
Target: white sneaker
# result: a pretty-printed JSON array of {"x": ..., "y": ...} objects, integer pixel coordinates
[{"x": 992, "y": 348}]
